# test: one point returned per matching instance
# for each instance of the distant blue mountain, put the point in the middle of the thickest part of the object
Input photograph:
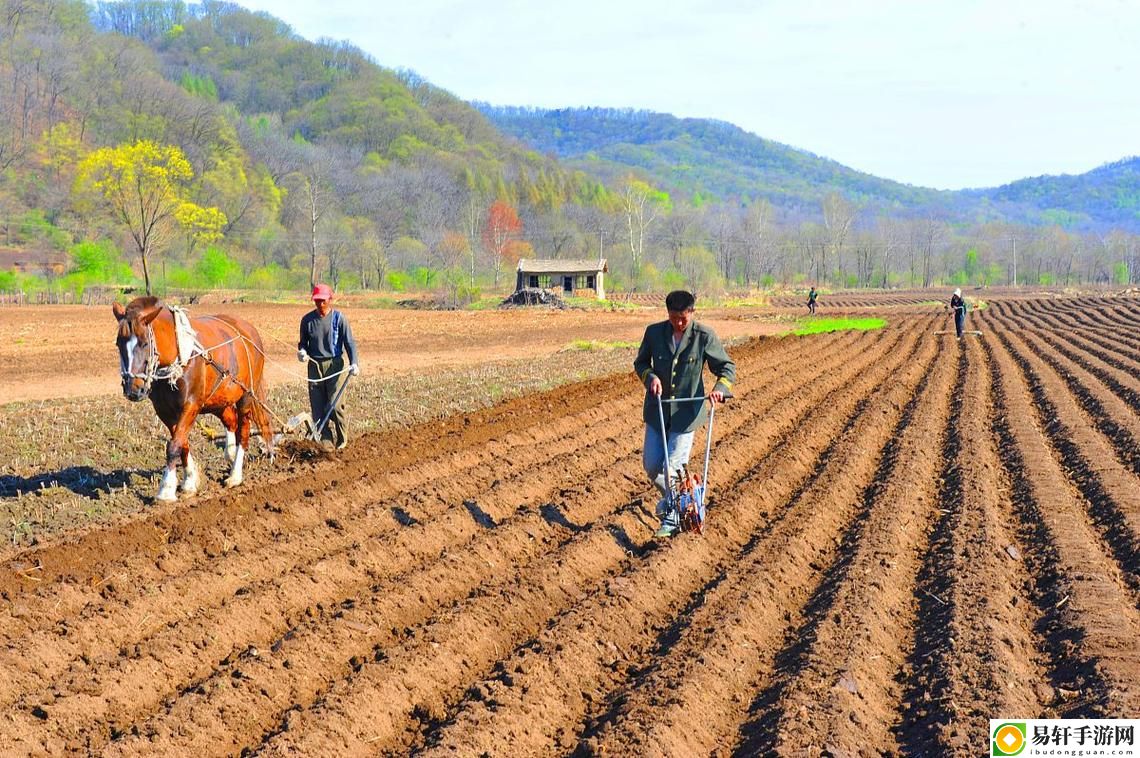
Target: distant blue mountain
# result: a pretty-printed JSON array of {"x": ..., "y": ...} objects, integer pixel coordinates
[{"x": 716, "y": 159}]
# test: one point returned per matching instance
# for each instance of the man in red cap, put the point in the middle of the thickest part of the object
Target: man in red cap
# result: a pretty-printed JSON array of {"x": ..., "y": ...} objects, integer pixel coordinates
[{"x": 325, "y": 337}]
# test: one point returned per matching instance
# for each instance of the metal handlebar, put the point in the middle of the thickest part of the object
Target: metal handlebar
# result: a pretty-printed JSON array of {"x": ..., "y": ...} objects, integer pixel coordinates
[{"x": 665, "y": 440}]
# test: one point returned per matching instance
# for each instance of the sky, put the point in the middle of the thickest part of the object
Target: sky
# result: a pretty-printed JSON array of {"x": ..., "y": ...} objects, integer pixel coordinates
[{"x": 937, "y": 93}]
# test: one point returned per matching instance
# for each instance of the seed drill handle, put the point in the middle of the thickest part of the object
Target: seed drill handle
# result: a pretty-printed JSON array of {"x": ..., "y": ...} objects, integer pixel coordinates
[{"x": 665, "y": 438}]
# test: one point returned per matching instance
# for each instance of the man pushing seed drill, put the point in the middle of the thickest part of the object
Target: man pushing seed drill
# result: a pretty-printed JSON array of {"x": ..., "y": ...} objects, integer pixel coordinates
[{"x": 670, "y": 363}]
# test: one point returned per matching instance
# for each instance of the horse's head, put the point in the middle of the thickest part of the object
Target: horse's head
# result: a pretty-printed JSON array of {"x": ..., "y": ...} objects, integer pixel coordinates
[{"x": 139, "y": 353}]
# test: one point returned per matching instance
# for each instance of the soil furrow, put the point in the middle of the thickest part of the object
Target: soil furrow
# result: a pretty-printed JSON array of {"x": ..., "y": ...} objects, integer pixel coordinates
[
  {"x": 1112, "y": 417},
  {"x": 689, "y": 700},
  {"x": 1120, "y": 382},
  {"x": 354, "y": 707},
  {"x": 927, "y": 688},
  {"x": 102, "y": 552},
  {"x": 164, "y": 594},
  {"x": 1096, "y": 317},
  {"x": 1111, "y": 492},
  {"x": 995, "y": 667},
  {"x": 627, "y": 472},
  {"x": 1107, "y": 350},
  {"x": 100, "y": 630},
  {"x": 838, "y": 667},
  {"x": 586, "y": 652},
  {"x": 954, "y": 683},
  {"x": 1089, "y": 622}
]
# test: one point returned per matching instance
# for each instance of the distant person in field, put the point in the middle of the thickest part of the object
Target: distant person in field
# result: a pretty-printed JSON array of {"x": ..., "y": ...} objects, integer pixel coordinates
[
  {"x": 670, "y": 363},
  {"x": 325, "y": 338},
  {"x": 958, "y": 306},
  {"x": 811, "y": 301}
]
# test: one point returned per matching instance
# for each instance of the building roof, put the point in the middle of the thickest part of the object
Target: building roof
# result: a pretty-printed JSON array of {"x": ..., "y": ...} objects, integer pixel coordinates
[{"x": 567, "y": 266}]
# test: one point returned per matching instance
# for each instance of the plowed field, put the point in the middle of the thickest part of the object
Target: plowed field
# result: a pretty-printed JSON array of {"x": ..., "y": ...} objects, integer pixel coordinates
[{"x": 909, "y": 535}]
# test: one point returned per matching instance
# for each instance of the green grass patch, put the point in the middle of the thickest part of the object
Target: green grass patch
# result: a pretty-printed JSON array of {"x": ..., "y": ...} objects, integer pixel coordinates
[
  {"x": 824, "y": 325},
  {"x": 594, "y": 304},
  {"x": 484, "y": 303},
  {"x": 591, "y": 345},
  {"x": 380, "y": 302}
]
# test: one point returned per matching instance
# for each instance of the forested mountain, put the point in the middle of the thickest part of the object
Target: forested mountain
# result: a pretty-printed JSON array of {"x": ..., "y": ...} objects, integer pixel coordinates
[
  {"x": 166, "y": 144},
  {"x": 310, "y": 156},
  {"x": 699, "y": 157},
  {"x": 716, "y": 159},
  {"x": 1108, "y": 195}
]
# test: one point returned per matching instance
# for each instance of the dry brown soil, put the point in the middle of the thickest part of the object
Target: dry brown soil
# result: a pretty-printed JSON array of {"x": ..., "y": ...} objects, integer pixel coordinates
[
  {"x": 908, "y": 535},
  {"x": 68, "y": 351}
]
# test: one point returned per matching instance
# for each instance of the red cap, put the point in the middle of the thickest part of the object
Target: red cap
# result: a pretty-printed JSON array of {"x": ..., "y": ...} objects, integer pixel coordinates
[{"x": 322, "y": 292}]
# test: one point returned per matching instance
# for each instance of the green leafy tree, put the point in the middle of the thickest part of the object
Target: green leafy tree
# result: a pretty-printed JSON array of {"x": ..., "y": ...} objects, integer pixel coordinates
[
  {"x": 99, "y": 262},
  {"x": 972, "y": 269},
  {"x": 1120, "y": 273},
  {"x": 217, "y": 269},
  {"x": 145, "y": 184}
]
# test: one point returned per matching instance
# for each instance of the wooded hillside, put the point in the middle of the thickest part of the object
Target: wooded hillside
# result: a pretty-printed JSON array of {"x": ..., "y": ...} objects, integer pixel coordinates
[{"x": 204, "y": 145}]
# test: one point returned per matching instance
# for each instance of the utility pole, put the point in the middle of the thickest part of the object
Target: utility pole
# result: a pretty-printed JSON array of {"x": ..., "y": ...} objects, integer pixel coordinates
[{"x": 1013, "y": 242}]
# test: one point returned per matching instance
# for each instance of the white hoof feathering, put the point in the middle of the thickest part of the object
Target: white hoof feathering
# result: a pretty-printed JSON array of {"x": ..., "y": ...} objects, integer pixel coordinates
[
  {"x": 168, "y": 489},
  {"x": 231, "y": 446},
  {"x": 192, "y": 480},
  {"x": 235, "y": 472}
]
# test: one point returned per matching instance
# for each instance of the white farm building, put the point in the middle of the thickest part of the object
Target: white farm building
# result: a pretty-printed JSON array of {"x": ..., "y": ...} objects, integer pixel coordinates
[{"x": 567, "y": 277}]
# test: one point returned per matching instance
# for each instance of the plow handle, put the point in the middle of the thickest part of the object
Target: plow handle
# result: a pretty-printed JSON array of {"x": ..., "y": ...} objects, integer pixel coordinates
[{"x": 319, "y": 428}]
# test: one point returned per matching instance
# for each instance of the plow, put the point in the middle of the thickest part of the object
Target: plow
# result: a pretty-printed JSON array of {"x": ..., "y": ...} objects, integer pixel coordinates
[
  {"x": 686, "y": 495},
  {"x": 303, "y": 422}
]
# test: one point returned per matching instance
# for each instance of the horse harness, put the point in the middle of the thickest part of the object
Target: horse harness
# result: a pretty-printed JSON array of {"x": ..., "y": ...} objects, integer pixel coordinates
[{"x": 173, "y": 372}]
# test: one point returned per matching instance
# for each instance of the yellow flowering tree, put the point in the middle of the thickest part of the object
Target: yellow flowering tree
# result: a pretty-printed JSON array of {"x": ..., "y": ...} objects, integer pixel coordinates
[
  {"x": 145, "y": 185},
  {"x": 201, "y": 225}
]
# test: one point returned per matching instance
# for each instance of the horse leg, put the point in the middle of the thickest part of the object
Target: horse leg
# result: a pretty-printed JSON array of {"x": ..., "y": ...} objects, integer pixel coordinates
[
  {"x": 229, "y": 419},
  {"x": 243, "y": 419},
  {"x": 177, "y": 451},
  {"x": 192, "y": 478},
  {"x": 168, "y": 486}
]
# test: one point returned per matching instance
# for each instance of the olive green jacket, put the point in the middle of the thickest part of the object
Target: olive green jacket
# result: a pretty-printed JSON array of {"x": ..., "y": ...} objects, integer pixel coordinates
[{"x": 681, "y": 374}]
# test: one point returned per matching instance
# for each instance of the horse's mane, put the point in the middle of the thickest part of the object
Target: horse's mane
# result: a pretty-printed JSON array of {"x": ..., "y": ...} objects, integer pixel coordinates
[{"x": 129, "y": 323}]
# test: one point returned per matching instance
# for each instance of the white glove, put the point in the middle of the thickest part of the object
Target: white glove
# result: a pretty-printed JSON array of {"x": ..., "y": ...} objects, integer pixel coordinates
[
  {"x": 354, "y": 370},
  {"x": 302, "y": 356}
]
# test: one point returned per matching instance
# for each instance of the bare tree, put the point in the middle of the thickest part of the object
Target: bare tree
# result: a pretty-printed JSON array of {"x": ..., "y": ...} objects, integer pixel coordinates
[
  {"x": 838, "y": 217},
  {"x": 642, "y": 205},
  {"x": 755, "y": 239},
  {"x": 312, "y": 195},
  {"x": 926, "y": 235},
  {"x": 677, "y": 232}
]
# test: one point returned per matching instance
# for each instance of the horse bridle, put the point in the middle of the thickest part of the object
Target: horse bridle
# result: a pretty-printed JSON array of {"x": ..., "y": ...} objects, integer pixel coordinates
[
  {"x": 152, "y": 371},
  {"x": 172, "y": 373}
]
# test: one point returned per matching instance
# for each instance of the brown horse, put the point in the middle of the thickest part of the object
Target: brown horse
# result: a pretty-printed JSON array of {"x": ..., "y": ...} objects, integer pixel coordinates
[{"x": 221, "y": 375}]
